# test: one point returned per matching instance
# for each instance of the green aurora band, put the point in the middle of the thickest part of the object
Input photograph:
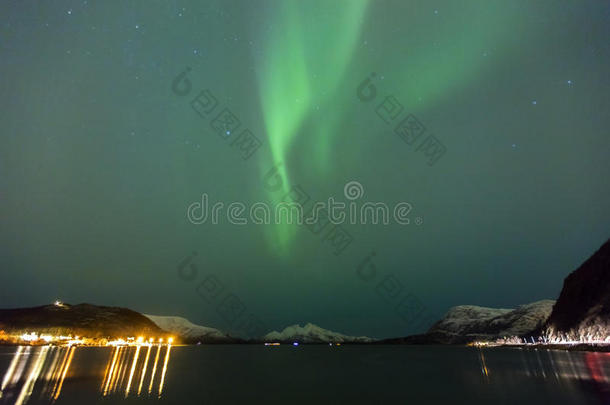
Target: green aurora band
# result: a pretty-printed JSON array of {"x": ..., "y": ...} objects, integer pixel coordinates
[{"x": 306, "y": 57}]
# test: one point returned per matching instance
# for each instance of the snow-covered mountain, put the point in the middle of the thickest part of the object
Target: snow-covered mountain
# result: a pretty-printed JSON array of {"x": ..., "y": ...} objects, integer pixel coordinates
[
  {"x": 311, "y": 333},
  {"x": 466, "y": 323},
  {"x": 188, "y": 331}
]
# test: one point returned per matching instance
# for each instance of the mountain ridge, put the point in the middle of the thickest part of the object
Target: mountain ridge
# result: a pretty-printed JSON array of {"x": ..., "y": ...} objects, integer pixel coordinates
[
  {"x": 190, "y": 332},
  {"x": 311, "y": 333},
  {"x": 80, "y": 319},
  {"x": 467, "y": 323}
]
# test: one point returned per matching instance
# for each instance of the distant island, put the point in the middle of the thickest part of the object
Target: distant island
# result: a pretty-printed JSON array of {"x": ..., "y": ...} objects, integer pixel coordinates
[{"x": 580, "y": 318}]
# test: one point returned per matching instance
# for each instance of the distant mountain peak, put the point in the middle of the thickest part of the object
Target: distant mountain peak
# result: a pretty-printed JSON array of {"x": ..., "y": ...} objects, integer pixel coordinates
[
  {"x": 311, "y": 333},
  {"x": 467, "y": 323},
  {"x": 190, "y": 332}
]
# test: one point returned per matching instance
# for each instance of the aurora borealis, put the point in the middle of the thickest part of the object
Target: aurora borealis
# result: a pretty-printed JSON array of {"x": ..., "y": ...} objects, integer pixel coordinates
[
  {"x": 99, "y": 158},
  {"x": 299, "y": 71}
]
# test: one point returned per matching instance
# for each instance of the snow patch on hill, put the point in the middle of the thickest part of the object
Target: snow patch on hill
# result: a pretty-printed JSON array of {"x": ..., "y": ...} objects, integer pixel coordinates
[
  {"x": 469, "y": 322},
  {"x": 186, "y": 329},
  {"x": 311, "y": 333}
]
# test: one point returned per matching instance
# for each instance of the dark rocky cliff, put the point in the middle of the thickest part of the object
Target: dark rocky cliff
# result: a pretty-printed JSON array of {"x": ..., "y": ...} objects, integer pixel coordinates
[{"x": 583, "y": 307}]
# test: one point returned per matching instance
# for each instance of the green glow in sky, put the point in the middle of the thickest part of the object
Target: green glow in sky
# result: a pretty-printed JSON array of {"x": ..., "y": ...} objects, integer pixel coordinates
[
  {"x": 307, "y": 51},
  {"x": 305, "y": 57},
  {"x": 100, "y": 159}
]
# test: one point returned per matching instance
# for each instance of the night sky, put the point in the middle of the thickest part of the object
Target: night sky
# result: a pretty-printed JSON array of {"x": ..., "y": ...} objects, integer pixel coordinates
[{"x": 101, "y": 154}]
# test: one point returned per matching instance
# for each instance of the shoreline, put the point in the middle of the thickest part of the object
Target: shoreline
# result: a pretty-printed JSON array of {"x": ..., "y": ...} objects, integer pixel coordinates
[
  {"x": 581, "y": 347},
  {"x": 578, "y": 347}
]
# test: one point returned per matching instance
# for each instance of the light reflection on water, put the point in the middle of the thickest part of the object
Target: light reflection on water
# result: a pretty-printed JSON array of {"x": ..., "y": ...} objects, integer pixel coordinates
[
  {"x": 117, "y": 378},
  {"x": 355, "y": 374},
  {"x": 40, "y": 371},
  {"x": 29, "y": 365},
  {"x": 564, "y": 367}
]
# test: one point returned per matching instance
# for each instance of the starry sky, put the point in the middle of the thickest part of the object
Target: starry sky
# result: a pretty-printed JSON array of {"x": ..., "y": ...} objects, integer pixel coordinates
[{"x": 103, "y": 147}]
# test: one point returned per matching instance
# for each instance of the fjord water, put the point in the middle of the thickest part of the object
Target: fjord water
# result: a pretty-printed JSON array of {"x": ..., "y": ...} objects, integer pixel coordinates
[{"x": 360, "y": 374}]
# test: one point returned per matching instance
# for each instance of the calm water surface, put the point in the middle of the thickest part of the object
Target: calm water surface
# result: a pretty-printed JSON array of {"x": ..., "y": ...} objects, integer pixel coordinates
[{"x": 235, "y": 374}]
